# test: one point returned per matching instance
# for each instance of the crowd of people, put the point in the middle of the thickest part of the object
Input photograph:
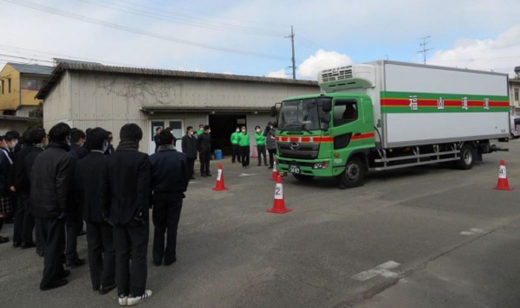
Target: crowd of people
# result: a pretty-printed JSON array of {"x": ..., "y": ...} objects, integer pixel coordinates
[{"x": 51, "y": 185}]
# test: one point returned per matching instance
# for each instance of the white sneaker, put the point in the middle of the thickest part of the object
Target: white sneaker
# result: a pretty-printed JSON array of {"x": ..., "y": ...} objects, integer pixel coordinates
[
  {"x": 136, "y": 300},
  {"x": 123, "y": 301}
]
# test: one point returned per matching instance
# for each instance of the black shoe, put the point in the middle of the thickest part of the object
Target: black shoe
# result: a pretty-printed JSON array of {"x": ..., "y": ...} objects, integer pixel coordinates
[
  {"x": 209, "y": 174},
  {"x": 104, "y": 290},
  {"x": 192, "y": 178},
  {"x": 203, "y": 175},
  {"x": 4, "y": 239},
  {"x": 64, "y": 274},
  {"x": 39, "y": 252},
  {"x": 55, "y": 284},
  {"x": 157, "y": 263},
  {"x": 76, "y": 263},
  {"x": 28, "y": 245},
  {"x": 16, "y": 244},
  {"x": 170, "y": 262},
  {"x": 82, "y": 232}
]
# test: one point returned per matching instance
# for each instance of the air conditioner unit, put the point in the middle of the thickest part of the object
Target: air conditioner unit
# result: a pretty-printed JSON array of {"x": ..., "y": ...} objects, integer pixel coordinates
[{"x": 347, "y": 77}]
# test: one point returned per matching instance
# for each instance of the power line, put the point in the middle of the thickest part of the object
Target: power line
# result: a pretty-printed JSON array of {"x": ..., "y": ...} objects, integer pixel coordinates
[{"x": 54, "y": 11}]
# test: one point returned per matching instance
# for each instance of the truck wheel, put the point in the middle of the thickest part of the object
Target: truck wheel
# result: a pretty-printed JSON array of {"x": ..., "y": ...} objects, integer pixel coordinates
[
  {"x": 303, "y": 178},
  {"x": 466, "y": 157},
  {"x": 354, "y": 174}
]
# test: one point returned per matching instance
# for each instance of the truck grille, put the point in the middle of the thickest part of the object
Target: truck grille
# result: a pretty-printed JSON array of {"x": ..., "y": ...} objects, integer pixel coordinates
[{"x": 298, "y": 150}]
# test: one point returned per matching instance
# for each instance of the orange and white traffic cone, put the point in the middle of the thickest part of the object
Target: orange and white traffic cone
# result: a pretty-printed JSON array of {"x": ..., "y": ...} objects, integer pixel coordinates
[
  {"x": 279, "y": 203},
  {"x": 503, "y": 183},
  {"x": 275, "y": 174},
  {"x": 220, "y": 180}
]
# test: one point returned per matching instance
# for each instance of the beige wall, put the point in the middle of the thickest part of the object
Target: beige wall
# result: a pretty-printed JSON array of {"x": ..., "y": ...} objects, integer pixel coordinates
[
  {"x": 85, "y": 99},
  {"x": 10, "y": 100}
]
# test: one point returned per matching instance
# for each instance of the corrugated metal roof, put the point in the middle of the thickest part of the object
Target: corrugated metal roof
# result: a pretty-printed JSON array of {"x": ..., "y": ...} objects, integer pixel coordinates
[
  {"x": 99, "y": 68},
  {"x": 32, "y": 69}
]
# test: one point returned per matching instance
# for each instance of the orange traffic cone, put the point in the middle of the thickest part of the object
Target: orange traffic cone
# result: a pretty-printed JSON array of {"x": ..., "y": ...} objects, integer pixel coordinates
[
  {"x": 220, "y": 180},
  {"x": 279, "y": 203},
  {"x": 274, "y": 177},
  {"x": 503, "y": 183}
]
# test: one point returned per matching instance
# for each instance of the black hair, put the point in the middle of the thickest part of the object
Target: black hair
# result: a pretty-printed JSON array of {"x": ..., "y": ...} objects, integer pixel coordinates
[
  {"x": 36, "y": 135},
  {"x": 157, "y": 128},
  {"x": 25, "y": 137},
  {"x": 189, "y": 127},
  {"x": 258, "y": 126},
  {"x": 12, "y": 134},
  {"x": 59, "y": 132},
  {"x": 2, "y": 137},
  {"x": 206, "y": 127},
  {"x": 76, "y": 134},
  {"x": 166, "y": 137},
  {"x": 96, "y": 138},
  {"x": 131, "y": 132}
]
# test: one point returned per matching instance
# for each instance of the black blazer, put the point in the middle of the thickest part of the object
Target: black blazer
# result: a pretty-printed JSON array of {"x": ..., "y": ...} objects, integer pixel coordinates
[
  {"x": 92, "y": 174},
  {"x": 129, "y": 184}
]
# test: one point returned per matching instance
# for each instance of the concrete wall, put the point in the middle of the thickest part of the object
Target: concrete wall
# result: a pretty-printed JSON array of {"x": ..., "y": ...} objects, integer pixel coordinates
[{"x": 89, "y": 99}]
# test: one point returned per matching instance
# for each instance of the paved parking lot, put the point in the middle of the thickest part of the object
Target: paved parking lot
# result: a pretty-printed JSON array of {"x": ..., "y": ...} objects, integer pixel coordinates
[{"x": 420, "y": 237}]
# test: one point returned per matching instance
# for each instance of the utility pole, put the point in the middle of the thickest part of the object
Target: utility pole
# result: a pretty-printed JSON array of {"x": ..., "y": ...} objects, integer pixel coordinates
[
  {"x": 293, "y": 58},
  {"x": 423, "y": 49}
]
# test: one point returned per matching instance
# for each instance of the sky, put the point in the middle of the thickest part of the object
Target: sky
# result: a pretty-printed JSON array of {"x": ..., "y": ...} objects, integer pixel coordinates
[{"x": 252, "y": 37}]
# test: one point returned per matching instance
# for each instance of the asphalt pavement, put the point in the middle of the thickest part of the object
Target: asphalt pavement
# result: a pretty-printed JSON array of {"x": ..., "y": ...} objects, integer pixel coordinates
[{"x": 419, "y": 237}]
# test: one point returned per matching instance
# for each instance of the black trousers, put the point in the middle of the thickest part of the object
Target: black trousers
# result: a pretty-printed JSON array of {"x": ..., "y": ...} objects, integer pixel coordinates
[
  {"x": 101, "y": 254},
  {"x": 235, "y": 152},
  {"x": 271, "y": 157},
  {"x": 244, "y": 153},
  {"x": 23, "y": 221},
  {"x": 40, "y": 244},
  {"x": 204, "y": 162},
  {"x": 131, "y": 244},
  {"x": 73, "y": 226},
  {"x": 191, "y": 166},
  {"x": 261, "y": 152},
  {"x": 166, "y": 216},
  {"x": 53, "y": 237}
]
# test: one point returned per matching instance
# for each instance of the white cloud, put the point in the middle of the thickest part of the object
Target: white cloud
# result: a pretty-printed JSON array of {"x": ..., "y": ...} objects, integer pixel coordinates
[
  {"x": 321, "y": 60},
  {"x": 500, "y": 54},
  {"x": 277, "y": 74}
]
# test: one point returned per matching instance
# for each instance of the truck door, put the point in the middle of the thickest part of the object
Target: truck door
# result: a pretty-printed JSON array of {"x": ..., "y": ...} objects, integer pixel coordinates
[{"x": 349, "y": 126}]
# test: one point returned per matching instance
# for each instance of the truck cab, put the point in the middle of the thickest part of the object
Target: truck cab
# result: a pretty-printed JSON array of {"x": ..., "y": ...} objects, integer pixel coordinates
[{"x": 318, "y": 134}]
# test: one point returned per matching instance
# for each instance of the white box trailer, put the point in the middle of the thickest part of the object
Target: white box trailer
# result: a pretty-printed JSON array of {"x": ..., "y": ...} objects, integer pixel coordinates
[{"x": 418, "y": 104}]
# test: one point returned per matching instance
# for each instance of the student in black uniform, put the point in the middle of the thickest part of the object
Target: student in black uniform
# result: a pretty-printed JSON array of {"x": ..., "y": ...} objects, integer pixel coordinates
[
  {"x": 92, "y": 173},
  {"x": 129, "y": 185},
  {"x": 170, "y": 177},
  {"x": 51, "y": 177}
]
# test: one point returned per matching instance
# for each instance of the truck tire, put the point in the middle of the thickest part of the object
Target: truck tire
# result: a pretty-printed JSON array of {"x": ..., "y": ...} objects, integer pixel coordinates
[
  {"x": 354, "y": 174},
  {"x": 303, "y": 177},
  {"x": 466, "y": 157}
]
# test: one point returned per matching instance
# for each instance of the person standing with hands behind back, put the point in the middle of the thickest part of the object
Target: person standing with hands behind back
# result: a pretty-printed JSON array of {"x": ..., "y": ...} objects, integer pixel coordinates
[
  {"x": 189, "y": 148},
  {"x": 129, "y": 173},
  {"x": 243, "y": 142},
  {"x": 204, "y": 145},
  {"x": 270, "y": 142}
]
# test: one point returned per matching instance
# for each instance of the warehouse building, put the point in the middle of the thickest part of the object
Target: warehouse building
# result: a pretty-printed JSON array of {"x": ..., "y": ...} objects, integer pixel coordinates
[{"x": 85, "y": 94}]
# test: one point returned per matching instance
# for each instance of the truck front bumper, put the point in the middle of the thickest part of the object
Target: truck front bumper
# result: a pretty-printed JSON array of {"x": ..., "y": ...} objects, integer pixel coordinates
[{"x": 317, "y": 167}]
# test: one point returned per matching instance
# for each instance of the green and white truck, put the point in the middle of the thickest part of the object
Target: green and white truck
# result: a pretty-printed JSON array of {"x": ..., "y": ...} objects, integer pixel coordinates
[{"x": 386, "y": 115}]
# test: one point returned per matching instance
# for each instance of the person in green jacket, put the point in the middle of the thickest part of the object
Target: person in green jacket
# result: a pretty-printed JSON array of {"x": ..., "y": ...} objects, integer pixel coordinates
[
  {"x": 260, "y": 145},
  {"x": 200, "y": 131},
  {"x": 234, "y": 145},
  {"x": 243, "y": 142}
]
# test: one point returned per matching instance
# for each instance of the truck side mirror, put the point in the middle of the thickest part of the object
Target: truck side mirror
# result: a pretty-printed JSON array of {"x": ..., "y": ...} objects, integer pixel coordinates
[
  {"x": 326, "y": 106},
  {"x": 274, "y": 112}
]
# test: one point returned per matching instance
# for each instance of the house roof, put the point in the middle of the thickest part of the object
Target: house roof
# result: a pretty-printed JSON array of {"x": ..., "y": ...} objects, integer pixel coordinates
[
  {"x": 32, "y": 69},
  {"x": 100, "y": 68}
]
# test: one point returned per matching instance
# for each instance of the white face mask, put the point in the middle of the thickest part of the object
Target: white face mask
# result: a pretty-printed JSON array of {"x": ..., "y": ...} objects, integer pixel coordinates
[
  {"x": 190, "y": 133},
  {"x": 258, "y": 130},
  {"x": 243, "y": 130},
  {"x": 238, "y": 129},
  {"x": 13, "y": 144}
]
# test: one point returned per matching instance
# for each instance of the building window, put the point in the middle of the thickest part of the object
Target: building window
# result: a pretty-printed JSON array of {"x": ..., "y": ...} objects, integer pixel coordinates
[
  {"x": 516, "y": 94},
  {"x": 2, "y": 86},
  {"x": 8, "y": 85}
]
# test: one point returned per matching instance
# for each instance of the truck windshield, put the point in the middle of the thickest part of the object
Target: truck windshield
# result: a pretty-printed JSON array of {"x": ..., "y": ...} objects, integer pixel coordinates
[{"x": 302, "y": 114}]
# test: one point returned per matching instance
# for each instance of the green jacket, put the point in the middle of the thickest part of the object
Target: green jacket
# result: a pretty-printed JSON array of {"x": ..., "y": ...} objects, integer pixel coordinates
[
  {"x": 243, "y": 140},
  {"x": 234, "y": 138},
  {"x": 200, "y": 132},
  {"x": 260, "y": 138}
]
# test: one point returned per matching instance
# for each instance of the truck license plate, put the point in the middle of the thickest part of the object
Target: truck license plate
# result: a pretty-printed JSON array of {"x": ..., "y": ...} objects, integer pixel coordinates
[{"x": 294, "y": 169}]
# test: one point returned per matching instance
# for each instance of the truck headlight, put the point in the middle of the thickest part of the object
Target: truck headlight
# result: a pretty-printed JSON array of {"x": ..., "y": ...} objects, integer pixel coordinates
[{"x": 322, "y": 165}]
